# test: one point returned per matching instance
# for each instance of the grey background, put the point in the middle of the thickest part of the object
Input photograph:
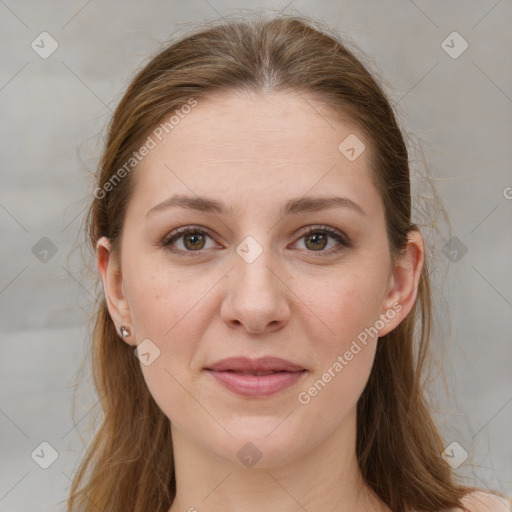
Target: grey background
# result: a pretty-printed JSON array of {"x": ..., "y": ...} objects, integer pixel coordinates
[{"x": 53, "y": 111}]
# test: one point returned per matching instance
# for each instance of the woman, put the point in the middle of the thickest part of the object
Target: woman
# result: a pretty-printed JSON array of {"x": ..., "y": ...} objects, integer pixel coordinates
[{"x": 262, "y": 281}]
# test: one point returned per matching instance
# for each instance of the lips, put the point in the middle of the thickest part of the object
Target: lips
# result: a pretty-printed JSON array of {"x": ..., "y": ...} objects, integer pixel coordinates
[
  {"x": 262, "y": 365},
  {"x": 256, "y": 377}
]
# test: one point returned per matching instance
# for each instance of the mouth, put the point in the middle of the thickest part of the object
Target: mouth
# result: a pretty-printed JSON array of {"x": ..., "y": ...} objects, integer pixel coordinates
[
  {"x": 256, "y": 377},
  {"x": 249, "y": 372}
]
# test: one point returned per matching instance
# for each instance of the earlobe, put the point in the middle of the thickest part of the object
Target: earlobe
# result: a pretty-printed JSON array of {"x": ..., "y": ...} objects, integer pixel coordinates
[
  {"x": 404, "y": 281},
  {"x": 111, "y": 275}
]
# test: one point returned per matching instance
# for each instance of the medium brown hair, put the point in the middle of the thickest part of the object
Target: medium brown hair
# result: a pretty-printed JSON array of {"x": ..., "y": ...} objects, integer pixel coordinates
[{"x": 129, "y": 463}]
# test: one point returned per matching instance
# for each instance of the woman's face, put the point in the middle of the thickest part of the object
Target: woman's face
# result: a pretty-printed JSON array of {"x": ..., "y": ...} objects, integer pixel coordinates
[{"x": 258, "y": 276}]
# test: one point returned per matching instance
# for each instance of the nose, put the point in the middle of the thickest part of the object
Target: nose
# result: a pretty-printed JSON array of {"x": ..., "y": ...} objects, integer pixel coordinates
[{"x": 257, "y": 297}]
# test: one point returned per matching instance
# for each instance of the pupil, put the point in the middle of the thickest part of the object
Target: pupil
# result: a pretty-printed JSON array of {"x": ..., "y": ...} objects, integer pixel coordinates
[
  {"x": 318, "y": 238},
  {"x": 195, "y": 237}
]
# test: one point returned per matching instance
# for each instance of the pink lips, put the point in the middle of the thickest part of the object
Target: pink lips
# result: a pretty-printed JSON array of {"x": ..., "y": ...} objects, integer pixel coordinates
[{"x": 256, "y": 377}]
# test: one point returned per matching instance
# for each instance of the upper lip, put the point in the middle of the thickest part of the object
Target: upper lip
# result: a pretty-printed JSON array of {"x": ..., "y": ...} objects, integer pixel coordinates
[{"x": 263, "y": 364}]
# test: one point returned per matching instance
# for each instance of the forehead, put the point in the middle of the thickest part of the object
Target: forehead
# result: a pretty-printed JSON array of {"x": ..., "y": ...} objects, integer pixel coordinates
[{"x": 250, "y": 149}]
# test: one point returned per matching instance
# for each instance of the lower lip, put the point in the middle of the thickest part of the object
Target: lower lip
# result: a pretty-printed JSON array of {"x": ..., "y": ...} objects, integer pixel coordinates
[{"x": 256, "y": 385}]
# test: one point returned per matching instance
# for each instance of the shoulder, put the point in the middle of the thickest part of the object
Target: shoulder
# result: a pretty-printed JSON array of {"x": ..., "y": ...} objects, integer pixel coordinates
[{"x": 484, "y": 501}]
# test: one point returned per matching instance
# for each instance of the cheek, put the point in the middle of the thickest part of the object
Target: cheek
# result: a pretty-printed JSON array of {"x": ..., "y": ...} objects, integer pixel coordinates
[
  {"x": 166, "y": 309},
  {"x": 347, "y": 307},
  {"x": 160, "y": 297},
  {"x": 162, "y": 318},
  {"x": 345, "y": 348}
]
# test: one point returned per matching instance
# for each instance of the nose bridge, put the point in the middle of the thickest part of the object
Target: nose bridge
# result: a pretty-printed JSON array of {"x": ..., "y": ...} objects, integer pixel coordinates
[
  {"x": 254, "y": 265},
  {"x": 256, "y": 297}
]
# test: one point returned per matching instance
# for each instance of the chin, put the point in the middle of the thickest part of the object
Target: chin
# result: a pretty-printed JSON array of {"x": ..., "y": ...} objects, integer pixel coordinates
[{"x": 259, "y": 444}]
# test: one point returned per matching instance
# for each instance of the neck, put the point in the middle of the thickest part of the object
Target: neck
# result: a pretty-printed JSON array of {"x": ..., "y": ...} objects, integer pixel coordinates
[{"x": 326, "y": 478}]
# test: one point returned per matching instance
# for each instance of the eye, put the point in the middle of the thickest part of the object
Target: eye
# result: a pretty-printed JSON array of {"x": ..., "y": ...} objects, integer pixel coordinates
[
  {"x": 193, "y": 239},
  {"x": 316, "y": 239}
]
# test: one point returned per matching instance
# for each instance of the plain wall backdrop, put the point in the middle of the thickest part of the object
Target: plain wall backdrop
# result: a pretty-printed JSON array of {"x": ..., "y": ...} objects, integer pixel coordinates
[{"x": 64, "y": 67}]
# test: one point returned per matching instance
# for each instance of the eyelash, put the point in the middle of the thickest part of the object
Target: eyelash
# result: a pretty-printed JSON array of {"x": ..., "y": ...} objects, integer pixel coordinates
[{"x": 181, "y": 232}]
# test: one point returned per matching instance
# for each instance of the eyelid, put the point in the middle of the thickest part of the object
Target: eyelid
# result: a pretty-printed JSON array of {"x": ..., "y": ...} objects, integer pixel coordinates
[
  {"x": 333, "y": 232},
  {"x": 184, "y": 230}
]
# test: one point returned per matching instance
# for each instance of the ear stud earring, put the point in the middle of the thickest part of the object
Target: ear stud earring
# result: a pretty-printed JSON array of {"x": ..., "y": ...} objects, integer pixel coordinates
[{"x": 124, "y": 331}]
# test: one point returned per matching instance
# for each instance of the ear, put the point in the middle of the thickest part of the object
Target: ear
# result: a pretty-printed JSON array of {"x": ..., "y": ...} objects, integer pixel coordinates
[
  {"x": 403, "y": 284},
  {"x": 109, "y": 268}
]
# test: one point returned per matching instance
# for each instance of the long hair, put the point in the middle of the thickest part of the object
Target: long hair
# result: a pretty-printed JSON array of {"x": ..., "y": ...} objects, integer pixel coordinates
[{"x": 129, "y": 463}]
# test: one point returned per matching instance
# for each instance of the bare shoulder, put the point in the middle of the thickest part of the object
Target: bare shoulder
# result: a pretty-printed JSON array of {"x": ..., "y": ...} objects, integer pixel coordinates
[{"x": 484, "y": 501}]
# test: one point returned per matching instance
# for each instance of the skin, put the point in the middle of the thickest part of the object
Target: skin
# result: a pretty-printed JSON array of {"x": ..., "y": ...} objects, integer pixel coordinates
[{"x": 304, "y": 305}]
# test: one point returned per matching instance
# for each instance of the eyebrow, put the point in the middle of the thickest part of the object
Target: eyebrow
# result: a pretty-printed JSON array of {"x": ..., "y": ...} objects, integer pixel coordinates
[{"x": 291, "y": 207}]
